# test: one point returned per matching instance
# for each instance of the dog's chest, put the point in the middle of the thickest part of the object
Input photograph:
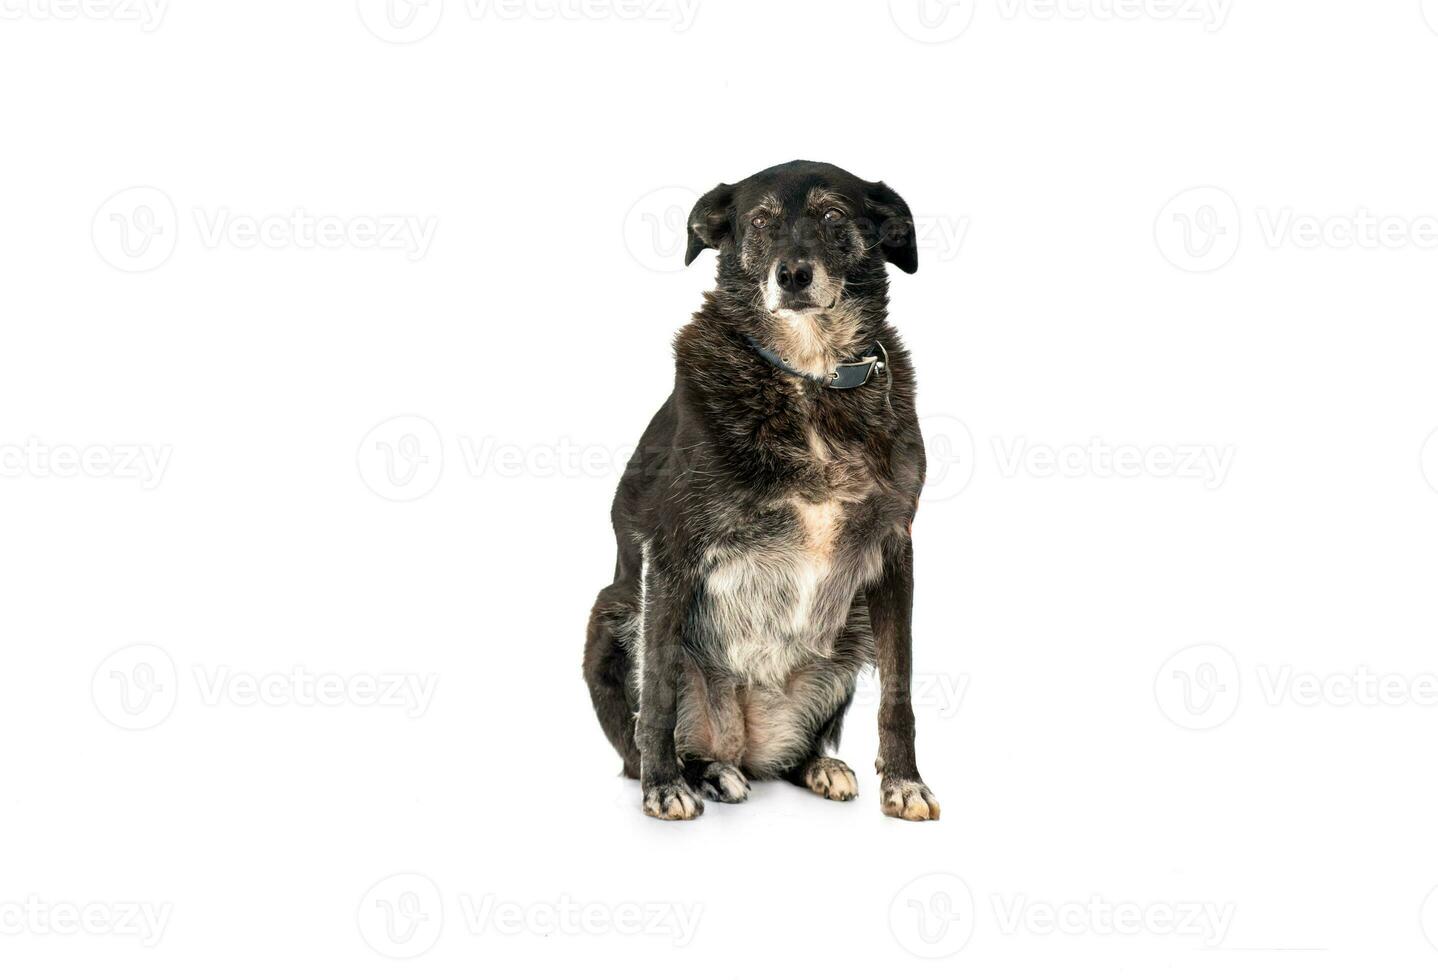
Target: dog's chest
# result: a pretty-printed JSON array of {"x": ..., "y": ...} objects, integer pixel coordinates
[{"x": 778, "y": 601}]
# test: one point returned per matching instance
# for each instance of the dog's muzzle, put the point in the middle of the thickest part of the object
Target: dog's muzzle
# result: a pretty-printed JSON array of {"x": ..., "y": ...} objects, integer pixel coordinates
[{"x": 798, "y": 286}]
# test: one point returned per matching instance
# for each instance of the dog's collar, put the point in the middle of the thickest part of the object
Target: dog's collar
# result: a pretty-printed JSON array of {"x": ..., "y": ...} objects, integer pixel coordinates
[{"x": 849, "y": 374}]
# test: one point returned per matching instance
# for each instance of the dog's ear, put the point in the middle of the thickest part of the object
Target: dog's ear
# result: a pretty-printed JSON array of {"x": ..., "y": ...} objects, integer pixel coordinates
[
  {"x": 710, "y": 223},
  {"x": 896, "y": 226}
]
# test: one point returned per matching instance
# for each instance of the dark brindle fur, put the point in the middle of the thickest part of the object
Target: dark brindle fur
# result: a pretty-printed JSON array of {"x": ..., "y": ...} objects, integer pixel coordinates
[{"x": 764, "y": 522}]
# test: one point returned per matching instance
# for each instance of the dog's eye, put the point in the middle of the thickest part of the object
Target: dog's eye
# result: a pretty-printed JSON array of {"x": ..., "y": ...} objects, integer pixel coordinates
[
  {"x": 760, "y": 220},
  {"x": 834, "y": 216}
]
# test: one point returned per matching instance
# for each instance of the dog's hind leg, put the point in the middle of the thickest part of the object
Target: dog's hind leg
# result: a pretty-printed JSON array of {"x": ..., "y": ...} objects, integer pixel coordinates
[
  {"x": 822, "y": 774},
  {"x": 717, "y": 780},
  {"x": 710, "y": 737},
  {"x": 607, "y": 665}
]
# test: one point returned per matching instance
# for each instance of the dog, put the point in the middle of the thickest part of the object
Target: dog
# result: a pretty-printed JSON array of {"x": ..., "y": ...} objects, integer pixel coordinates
[{"x": 764, "y": 522}]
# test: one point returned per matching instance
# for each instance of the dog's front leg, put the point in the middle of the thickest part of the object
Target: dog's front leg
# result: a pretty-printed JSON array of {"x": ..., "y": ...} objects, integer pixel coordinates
[
  {"x": 666, "y": 605},
  {"x": 902, "y": 792}
]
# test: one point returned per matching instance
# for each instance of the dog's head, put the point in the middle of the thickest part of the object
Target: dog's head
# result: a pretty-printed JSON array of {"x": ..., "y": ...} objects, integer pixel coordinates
[{"x": 806, "y": 236}]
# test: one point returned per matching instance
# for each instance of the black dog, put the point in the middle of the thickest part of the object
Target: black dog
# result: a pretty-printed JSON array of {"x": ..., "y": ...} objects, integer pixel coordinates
[{"x": 764, "y": 522}]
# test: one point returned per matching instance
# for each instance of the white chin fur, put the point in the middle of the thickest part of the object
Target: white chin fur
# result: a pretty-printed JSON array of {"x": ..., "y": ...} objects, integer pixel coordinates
[{"x": 804, "y": 337}]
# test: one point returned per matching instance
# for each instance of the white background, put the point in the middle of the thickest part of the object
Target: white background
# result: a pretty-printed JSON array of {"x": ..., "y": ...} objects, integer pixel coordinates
[{"x": 1057, "y": 321}]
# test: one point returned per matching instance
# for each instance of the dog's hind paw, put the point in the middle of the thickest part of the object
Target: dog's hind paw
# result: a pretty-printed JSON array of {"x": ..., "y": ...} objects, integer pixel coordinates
[
  {"x": 723, "y": 782},
  {"x": 831, "y": 779},
  {"x": 672, "y": 801},
  {"x": 908, "y": 799}
]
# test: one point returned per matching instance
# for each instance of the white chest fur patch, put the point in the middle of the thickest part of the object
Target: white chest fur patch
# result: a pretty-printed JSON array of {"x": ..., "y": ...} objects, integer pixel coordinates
[{"x": 772, "y": 608}]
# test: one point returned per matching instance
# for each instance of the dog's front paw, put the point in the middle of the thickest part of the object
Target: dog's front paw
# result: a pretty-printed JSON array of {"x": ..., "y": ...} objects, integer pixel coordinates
[
  {"x": 723, "y": 782},
  {"x": 831, "y": 779},
  {"x": 908, "y": 799},
  {"x": 672, "y": 801}
]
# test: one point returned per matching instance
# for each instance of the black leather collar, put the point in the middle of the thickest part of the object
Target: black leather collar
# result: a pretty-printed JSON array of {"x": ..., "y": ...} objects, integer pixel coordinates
[{"x": 850, "y": 374}]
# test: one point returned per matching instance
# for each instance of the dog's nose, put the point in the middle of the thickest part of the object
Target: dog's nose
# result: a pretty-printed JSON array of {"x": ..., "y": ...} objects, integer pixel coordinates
[{"x": 795, "y": 276}]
